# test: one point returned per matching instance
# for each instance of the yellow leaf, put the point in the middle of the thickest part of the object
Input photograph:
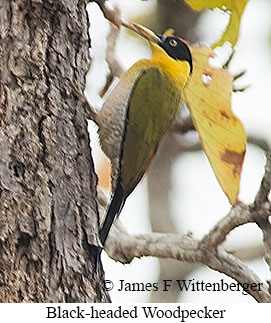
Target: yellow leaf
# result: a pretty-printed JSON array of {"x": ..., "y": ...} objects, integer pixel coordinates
[
  {"x": 234, "y": 7},
  {"x": 169, "y": 32},
  {"x": 222, "y": 135}
]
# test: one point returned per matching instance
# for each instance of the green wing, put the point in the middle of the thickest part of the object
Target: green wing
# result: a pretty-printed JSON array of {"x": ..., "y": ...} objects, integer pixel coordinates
[{"x": 152, "y": 108}]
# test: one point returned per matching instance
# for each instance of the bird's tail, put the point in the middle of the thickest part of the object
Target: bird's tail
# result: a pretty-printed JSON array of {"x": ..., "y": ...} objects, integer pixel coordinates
[{"x": 113, "y": 211}]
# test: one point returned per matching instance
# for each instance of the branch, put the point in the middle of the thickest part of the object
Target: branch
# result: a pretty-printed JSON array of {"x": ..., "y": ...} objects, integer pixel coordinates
[
  {"x": 265, "y": 188},
  {"x": 124, "y": 247},
  {"x": 261, "y": 210},
  {"x": 259, "y": 142},
  {"x": 89, "y": 111},
  {"x": 238, "y": 215},
  {"x": 231, "y": 266}
]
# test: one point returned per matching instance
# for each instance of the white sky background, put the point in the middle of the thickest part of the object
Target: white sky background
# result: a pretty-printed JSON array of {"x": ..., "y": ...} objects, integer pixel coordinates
[{"x": 252, "y": 107}]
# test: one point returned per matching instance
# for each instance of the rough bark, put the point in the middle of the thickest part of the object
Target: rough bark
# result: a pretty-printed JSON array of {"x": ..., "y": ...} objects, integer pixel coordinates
[{"x": 48, "y": 208}]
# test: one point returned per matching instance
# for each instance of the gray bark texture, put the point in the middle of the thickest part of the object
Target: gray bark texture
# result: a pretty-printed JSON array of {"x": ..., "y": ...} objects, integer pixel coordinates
[{"x": 48, "y": 209}]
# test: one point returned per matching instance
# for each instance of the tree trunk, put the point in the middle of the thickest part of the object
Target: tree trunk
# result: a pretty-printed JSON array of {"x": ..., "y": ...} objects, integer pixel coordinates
[{"x": 48, "y": 209}]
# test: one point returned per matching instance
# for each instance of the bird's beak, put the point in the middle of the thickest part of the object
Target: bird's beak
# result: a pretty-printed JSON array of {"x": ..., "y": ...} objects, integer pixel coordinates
[{"x": 145, "y": 32}]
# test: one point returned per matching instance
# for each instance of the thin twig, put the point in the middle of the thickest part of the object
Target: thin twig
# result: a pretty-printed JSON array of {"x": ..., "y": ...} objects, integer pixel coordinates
[
  {"x": 110, "y": 14},
  {"x": 90, "y": 111},
  {"x": 113, "y": 16},
  {"x": 238, "y": 215},
  {"x": 262, "y": 195},
  {"x": 115, "y": 70}
]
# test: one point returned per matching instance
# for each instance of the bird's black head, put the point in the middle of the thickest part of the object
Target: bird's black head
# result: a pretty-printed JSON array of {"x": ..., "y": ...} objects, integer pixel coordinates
[{"x": 176, "y": 48}]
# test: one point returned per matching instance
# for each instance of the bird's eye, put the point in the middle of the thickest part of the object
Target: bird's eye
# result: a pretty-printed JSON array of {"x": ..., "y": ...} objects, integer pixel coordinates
[{"x": 173, "y": 42}]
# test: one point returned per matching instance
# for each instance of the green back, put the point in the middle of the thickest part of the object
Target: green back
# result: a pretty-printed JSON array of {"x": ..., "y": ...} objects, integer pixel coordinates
[{"x": 152, "y": 108}]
